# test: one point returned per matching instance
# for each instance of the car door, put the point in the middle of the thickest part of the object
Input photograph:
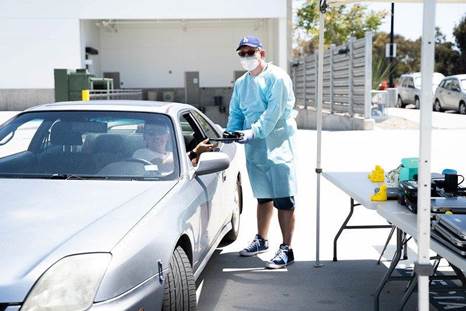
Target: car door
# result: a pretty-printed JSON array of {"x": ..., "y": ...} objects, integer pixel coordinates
[
  {"x": 455, "y": 94},
  {"x": 224, "y": 209},
  {"x": 448, "y": 95},
  {"x": 410, "y": 90},
  {"x": 403, "y": 87},
  {"x": 210, "y": 186}
]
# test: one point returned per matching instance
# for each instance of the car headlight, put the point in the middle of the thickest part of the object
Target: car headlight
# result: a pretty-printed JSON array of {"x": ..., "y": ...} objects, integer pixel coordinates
[{"x": 70, "y": 284}]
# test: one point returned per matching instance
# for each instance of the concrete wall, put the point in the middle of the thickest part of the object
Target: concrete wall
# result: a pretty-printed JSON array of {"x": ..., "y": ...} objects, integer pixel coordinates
[
  {"x": 20, "y": 99},
  {"x": 90, "y": 36},
  {"x": 143, "y": 9},
  {"x": 332, "y": 122},
  {"x": 176, "y": 36},
  {"x": 31, "y": 48}
]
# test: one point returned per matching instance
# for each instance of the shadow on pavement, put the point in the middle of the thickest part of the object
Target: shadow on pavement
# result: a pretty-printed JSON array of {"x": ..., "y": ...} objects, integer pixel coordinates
[{"x": 230, "y": 282}]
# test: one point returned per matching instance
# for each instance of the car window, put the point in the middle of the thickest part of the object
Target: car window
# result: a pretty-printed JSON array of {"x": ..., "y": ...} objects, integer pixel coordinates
[
  {"x": 403, "y": 82},
  {"x": 442, "y": 83},
  {"x": 447, "y": 84},
  {"x": 18, "y": 139},
  {"x": 89, "y": 144},
  {"x": 209, "y": 131},
  {"x": 410, "y": 82},
  {"x": 192, "y": 135},
  {"x": 463, "y": 84},
  {"x": 455, "y": 85}
]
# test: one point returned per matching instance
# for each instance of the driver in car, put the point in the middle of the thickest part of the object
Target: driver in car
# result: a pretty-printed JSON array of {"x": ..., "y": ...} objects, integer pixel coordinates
[{"x": 159, "y": 150}]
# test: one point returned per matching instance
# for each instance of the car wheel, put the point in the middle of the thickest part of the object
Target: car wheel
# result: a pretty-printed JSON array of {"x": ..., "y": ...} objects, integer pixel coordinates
[
  {"x": 232, "y": 235},
  {"x": 399, "y": 103},
  {"x": 437, "y": 106},
  {"x": 462, "y": 108},
  {"x": 179, "y": 289},
  {"x": 417, "y": 103}
]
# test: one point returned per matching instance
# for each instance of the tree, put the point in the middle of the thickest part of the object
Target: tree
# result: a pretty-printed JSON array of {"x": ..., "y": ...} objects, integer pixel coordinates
[
  {"x": 341, "y": 22},
  {"x": 446, "y": 57},
  {"x": 459, "y": 32}
]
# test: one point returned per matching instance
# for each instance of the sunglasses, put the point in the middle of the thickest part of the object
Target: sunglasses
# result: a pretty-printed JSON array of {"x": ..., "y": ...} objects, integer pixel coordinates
[{"x": 247, "y": 53}]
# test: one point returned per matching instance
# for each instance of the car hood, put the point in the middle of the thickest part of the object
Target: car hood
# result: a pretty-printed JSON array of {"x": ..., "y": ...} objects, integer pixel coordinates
[{"x": 41, "y": 221}]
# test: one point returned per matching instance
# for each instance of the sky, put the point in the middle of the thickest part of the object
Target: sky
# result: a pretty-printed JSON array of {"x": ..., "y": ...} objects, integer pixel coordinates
[{"x": 408, "y": 17}]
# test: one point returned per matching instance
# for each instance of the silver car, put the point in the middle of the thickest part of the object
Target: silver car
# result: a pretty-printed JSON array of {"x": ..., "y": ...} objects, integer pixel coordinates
[
  {"x": 409, "y": 88},
  {"x": 451, "y": 94},
  {"x": 87, "y": 222}
]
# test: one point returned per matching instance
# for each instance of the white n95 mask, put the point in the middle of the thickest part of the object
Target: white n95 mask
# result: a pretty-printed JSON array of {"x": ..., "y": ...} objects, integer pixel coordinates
[{"x": 249, "y": 63}]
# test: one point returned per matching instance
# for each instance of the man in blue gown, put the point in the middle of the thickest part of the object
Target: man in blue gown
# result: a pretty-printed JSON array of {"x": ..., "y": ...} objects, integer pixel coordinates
[{"x": 261, "y": 108}]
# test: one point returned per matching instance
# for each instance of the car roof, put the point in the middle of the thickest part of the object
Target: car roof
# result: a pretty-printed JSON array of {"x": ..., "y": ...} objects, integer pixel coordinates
[
  {"x": 115, "y": 105},
  {"x": 463, "y": 76},
  {"x": 418, "y": 74}
]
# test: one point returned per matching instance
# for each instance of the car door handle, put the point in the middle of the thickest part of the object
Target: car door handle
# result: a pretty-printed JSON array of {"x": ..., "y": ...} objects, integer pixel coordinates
[{"x": 224, "y": 176}]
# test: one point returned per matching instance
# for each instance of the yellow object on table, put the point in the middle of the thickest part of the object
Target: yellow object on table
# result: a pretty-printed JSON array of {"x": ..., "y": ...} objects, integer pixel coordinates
[
  {"x": 377, "y": 175},
  {"x": 381, "y": 195}
]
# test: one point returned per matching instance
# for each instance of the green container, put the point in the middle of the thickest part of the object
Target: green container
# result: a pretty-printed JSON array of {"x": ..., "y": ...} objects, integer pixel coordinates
[
  {"x": 70, "y": 83},
  {"x": 410, "y": 167}
]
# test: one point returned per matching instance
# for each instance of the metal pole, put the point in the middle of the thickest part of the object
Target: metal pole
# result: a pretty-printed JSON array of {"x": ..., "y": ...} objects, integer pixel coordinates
[
  {"x": 424, "y": 182},
  {"x": 320, "y": 78},
  {"x": 390, "y": 79}
]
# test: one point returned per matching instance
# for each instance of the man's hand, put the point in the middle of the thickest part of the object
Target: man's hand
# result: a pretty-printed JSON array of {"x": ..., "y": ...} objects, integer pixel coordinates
[
  {"x": 227, "y": 134},
  {"x": 247, "y": 136}
]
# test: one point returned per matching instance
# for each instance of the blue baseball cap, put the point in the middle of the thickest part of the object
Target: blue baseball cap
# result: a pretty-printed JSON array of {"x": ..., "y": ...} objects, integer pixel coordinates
[{"x": 251, "y": 41}]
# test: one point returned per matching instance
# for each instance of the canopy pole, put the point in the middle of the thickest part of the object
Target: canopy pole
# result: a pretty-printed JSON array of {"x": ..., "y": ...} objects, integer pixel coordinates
[
  {"x": 422, "y": 266},
  {"x": 320, "y": 78}
]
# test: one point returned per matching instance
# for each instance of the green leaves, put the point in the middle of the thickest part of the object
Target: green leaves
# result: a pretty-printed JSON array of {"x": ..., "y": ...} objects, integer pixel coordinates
[{"x": 341, "y": 22}]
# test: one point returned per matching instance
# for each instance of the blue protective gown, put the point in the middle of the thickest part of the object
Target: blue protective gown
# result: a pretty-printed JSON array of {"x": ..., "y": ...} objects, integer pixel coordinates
[{"x": 265, "y": 104}]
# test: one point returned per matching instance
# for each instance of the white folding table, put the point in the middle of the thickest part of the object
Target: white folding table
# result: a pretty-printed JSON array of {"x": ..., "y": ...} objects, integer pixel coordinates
[{"x": 360, "y": 188}]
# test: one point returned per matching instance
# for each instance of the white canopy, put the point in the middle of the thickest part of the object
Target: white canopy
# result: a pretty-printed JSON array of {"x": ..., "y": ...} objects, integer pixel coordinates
[{"x": 424, "y": 180}]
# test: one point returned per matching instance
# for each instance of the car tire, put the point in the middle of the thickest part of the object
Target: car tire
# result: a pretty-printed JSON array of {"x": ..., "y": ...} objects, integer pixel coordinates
[
  {"x": 462, "y": 108},
  {"x": 179, "y": 288},
  {"x": 399, "y": 103},
  {"x": 232, "y": 235},
  {"x": 417, "y": 103},
  {"x": 437, "y": 106}
]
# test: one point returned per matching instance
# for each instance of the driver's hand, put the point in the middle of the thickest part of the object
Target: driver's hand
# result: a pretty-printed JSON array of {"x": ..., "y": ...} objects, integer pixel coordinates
[{"x": 204, "y": 146}]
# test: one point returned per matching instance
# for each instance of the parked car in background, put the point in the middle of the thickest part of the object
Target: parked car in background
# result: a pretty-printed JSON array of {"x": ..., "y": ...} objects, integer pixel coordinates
[
  {"x": 409, "y": 88},
  {"x": 451, "y": 94},
  {"x": 89, "y": 223}
]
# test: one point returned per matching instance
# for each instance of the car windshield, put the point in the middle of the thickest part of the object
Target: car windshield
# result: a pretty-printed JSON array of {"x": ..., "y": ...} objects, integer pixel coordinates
[
  {"x": 463, "y": 84},
  {"x": 89, "y": 145}
]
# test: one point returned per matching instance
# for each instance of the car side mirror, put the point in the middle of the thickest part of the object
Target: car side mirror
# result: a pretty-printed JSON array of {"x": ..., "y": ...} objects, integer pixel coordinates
[{"x": 212, "y": 162}]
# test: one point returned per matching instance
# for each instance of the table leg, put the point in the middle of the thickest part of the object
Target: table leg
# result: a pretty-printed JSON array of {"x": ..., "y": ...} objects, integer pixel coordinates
[
  {"x": 343, "y": 226},
  {"x": 409, "y": 291},
  {"x": 405, "y": 248},
  {"x": 386, "y": 244},
  {"x": 460, "y": 274},
  {"x": 395, "y": 260}
]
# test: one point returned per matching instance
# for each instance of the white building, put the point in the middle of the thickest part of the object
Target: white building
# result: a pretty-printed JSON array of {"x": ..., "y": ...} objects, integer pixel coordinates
[{"x": 150, "y": 44}]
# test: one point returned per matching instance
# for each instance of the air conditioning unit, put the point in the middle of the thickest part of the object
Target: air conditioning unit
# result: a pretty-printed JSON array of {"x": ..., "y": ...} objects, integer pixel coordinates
[
  {"x": 152, "y": 95},
  {"x": 168, "y": 96}
]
